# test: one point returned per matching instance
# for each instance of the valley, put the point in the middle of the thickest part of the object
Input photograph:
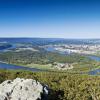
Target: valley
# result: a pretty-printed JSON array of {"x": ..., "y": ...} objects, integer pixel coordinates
[
  {"x": 52, "y": 54},
  {"x": 70, "y": 68}
]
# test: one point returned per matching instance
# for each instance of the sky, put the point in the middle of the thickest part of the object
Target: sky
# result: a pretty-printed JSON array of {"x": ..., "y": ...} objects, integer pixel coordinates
[{"x": 50, "y": 18}]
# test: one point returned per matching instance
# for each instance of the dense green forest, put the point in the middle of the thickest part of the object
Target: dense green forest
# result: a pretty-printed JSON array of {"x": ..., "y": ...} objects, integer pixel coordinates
[{"x": 62, "y": 86}]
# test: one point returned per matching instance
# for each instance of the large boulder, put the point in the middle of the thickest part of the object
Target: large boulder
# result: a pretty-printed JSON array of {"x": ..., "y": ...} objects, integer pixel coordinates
[{"x": 22, "y": 89}]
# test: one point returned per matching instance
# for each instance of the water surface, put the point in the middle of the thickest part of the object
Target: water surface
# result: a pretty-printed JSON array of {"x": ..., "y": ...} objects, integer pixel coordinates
[
  {"x": 15, "y": 67},
  {"x": 96, "y": 58}
]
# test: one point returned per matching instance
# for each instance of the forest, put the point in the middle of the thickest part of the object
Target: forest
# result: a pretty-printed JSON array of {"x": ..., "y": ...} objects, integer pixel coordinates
[{"x": 62, "y": 86}]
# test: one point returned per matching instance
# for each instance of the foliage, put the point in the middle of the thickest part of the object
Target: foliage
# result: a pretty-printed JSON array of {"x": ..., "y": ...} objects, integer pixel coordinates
[
  {"x": 45, "y": 60},
  {"x": 39, "y": 57},
  {"x": 63, "y": 86}
]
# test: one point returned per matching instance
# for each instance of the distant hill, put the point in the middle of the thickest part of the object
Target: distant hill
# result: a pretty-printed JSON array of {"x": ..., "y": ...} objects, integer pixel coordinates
[{"x": 45, "y": 41}]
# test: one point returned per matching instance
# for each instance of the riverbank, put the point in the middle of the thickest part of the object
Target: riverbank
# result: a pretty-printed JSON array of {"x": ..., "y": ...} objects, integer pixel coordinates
[
  {"x": 17, "y": 67},
  {"x": 39, "y": 68}
]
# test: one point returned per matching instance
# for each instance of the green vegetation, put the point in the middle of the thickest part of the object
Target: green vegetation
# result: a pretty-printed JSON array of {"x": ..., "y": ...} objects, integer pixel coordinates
[
  {"x": 63, "y": 86},
  {"x": 86, "y": 66},
  {"x": 44, "y": 60},
  {"x": 73, "y": 84},
  {"x": 46, "y": 66},
  {"x": 40, "y": 57}
]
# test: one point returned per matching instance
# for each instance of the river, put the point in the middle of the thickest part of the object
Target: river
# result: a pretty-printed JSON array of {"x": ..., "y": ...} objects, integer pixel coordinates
[
  {"x": 96, "y": 58},
  {"x": 51, "y": 49},
  {"x": 15, "y": 67}
]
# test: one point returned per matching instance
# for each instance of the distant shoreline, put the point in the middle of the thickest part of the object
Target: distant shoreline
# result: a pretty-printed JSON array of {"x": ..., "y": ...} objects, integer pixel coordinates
[{"x": 49, "y": 38}]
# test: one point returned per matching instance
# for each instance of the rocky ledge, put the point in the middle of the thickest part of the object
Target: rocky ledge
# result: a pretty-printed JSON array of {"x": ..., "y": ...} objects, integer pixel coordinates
[{"x": 23, "y": 89}]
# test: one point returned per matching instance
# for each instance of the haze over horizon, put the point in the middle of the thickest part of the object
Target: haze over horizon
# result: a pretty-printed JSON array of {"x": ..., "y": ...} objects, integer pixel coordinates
[{"x": 50, "y": 18}]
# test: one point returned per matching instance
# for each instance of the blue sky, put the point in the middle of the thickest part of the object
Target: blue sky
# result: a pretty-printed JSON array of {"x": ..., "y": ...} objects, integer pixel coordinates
[{"x": 50, "y": 18}]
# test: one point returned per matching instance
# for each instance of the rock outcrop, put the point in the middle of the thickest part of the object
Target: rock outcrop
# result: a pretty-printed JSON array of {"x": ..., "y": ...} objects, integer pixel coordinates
[{"x": 22, "y": 89}]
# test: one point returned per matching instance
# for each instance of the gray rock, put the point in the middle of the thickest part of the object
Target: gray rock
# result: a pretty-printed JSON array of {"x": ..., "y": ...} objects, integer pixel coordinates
[{"x": 22, "y": 89}]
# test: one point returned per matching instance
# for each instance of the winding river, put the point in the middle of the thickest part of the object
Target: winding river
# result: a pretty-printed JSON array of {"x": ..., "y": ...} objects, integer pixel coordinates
[
  {"x": 96, "y": 58},
  {"x": 15, "y": 67}
]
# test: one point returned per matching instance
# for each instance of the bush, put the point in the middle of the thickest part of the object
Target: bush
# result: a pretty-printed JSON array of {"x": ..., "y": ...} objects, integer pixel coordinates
[{"x": 63, "y": 86}]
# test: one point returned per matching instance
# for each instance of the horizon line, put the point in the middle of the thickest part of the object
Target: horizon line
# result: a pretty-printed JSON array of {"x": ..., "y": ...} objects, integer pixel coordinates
[{"x": 50, "y": 37}]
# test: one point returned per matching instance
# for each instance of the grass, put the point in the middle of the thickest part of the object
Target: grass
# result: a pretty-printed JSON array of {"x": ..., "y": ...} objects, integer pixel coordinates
[{"x": 47, "y": 66}]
